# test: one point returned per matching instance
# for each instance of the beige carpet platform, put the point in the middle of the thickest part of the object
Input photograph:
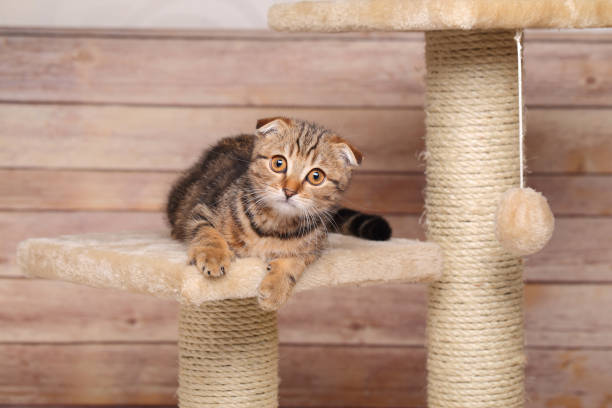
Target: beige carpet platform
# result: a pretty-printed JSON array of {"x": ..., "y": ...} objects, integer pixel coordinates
[
  {"x": 155, "y": 264},
  {"x": 430, "y": 15}
]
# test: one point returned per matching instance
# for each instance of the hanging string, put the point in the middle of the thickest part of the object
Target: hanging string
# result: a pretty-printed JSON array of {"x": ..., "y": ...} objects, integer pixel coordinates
[{"x": 519, "y": 52}]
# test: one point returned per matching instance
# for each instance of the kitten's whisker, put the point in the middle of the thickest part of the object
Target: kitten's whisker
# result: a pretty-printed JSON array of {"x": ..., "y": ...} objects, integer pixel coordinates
[
  {"x": 323, "y": 223},
  {"x": 330, "y": 218}
]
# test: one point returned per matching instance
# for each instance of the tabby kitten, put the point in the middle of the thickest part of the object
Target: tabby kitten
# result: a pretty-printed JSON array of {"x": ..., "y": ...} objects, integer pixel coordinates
[{"x": 272, "y": 195}]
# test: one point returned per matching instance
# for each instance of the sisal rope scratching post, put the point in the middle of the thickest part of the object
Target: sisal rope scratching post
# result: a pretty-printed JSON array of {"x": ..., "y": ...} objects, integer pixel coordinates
[
  {"x": 475, "y": 319},
  {"x": 228, "y": 355}
]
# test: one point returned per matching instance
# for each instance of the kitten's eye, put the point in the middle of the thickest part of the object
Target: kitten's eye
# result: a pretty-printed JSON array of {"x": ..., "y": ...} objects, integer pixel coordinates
[
  {"x": 278, "y": 164},
  {"x": 315, "y": 177}
]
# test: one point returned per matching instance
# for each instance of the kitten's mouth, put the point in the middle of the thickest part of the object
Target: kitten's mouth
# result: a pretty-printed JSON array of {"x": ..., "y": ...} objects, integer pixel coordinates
[
  {"x": 286, "y": 206},
  {"x": 287, "y": 203}
]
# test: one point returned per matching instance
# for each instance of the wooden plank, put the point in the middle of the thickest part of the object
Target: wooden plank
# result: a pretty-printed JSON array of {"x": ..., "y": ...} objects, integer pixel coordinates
[
  {"x": 573, "y": 36},
  {"x": 569, "y": 140},
  {"x": 106, "y": 137},
  {"x": 88, "y": 374},
  {"x": 584, "y": 74},
  {"x": 312, "y": 376},
  {"x": 575, "y": 195},
  {"x": 352, "y": 377},
  {"x": 309, "y": 72},
  {"x": 41, "y": 311},
  {"x": 578, "y": 252},
  {"x": 553, "y": 311},
  {"x": 372, "y": 192},
  {"x": 177, "y": 71},
  {"x": 17, "y": 226},
  {"x": 88, "y": 190},
  {"x": 532, "y": 35},
  {"x": 37, "y": 311},
  {"x": 223, "y": 34}
]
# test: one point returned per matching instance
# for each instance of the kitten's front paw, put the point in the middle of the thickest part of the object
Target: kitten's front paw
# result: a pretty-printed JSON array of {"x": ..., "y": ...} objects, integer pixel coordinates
[
  {"x": 213, "y": 262},
  {"x": 275, "y": 287}
]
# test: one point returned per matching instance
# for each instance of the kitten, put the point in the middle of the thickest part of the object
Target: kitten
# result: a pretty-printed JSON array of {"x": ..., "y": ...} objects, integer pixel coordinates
[{"x": 272, "y": 195}]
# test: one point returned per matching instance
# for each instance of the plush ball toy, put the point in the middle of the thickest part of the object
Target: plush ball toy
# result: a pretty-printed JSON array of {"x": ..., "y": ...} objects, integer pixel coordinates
[{"x": 524, "y": 222}]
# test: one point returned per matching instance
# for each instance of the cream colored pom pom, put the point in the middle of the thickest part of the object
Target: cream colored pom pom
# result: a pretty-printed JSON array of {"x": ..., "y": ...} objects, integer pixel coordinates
[{"x": 524, "y": 222}]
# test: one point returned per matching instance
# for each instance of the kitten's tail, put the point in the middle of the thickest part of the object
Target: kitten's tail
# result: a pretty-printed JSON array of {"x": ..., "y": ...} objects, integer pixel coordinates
[{"x": 367, "y": 226}]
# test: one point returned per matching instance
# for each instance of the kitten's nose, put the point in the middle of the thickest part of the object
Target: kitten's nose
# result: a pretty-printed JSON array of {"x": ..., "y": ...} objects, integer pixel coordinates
[{"x": 288, "y": 192}]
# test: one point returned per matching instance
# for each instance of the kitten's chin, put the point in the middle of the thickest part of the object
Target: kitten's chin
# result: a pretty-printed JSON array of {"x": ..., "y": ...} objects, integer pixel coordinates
[{"x": 286, "y": 208}]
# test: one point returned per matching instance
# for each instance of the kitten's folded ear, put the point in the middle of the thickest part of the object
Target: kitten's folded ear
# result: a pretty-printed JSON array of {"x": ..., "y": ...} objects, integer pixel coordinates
[
  {"x": 268, "y": 125},
  {"x": 350, "y": 153}
]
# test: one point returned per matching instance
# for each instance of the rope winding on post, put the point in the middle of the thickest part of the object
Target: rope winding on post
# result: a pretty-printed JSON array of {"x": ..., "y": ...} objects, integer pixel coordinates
[
  {"x": 228, "y": 355},
  {"x": 475, "y": 318}
]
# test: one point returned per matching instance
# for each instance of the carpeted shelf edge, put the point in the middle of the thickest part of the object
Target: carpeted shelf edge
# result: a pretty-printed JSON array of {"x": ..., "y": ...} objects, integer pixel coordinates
[
  {"x": 431, "y": 15},
  {"x": 154, "y": 264}
]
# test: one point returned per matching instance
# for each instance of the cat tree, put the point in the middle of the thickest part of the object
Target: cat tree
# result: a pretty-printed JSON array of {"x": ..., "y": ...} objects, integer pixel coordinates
[
  {"x": 473, "y": 106},
  {"x": 228, "y": 346}
]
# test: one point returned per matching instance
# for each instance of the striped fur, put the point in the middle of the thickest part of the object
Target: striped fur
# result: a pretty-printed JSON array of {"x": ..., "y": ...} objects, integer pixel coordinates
[{"x": 234, "y": 202}]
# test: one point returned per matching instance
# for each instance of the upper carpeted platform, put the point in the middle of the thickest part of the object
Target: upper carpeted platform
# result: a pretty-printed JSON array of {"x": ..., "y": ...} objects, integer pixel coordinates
[
  {"x": 430, "y": 15},
  {"x": 153, "y": 263}
]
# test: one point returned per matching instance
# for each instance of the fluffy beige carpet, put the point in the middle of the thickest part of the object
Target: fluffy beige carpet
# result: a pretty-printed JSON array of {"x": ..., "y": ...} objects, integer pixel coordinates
[
  {"x": 154, "y": 263},
  {"x": 428, "y": 15}
]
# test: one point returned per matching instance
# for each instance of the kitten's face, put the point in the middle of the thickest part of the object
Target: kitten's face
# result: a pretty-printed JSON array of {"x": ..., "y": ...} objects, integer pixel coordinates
[{"x": 299, "y": 168}]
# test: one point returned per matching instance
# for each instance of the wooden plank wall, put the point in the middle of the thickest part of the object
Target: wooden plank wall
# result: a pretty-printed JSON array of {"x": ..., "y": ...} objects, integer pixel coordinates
[{"x": 95, "y": 124}]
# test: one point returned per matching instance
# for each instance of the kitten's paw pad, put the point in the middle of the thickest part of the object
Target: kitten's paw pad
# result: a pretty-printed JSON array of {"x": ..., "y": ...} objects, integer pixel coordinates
[
  {"x": 212, "y": 262},
  {"x": 275, "y": 289}
]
